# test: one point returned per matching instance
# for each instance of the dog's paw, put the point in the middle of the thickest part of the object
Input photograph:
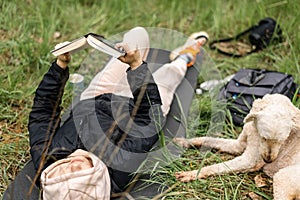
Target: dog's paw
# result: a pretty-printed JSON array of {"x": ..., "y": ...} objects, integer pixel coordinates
[
  {"x": 183, "y": 142},
  {"x": 186, "y": 176}
]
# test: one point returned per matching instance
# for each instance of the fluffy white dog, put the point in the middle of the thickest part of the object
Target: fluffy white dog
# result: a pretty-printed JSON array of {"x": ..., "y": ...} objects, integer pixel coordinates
[{"x": 270, "y": 140}]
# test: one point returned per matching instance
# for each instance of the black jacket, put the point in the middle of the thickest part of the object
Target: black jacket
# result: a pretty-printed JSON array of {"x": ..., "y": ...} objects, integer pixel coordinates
[{"x": 118, "y": 129}]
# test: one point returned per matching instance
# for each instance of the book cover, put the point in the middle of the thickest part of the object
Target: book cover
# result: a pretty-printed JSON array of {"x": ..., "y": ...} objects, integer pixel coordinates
[{"x": 89, "y": 40}]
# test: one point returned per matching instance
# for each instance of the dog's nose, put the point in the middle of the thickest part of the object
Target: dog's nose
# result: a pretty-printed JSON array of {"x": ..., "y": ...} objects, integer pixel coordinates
[{"x": 267, "y": 159}]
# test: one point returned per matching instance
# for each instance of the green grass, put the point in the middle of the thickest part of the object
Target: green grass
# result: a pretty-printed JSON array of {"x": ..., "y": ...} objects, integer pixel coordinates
[{"x": 26, "y": 32}]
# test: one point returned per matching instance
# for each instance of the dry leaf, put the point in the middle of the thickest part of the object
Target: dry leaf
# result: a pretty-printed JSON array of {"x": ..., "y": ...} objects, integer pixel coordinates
[
  {"x": 254, "y": 196},
  {"x": 56, "y": 35},
  {"x": 260, "y": 181}
]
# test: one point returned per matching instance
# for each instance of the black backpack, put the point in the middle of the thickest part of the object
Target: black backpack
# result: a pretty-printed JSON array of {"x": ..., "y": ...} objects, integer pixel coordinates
[
  {"x": 267, "y": 31},
  {"x": 250, "y": 84}
]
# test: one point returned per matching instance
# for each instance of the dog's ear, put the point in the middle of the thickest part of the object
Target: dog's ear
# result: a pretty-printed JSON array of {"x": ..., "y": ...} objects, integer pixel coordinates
[
  {"x": 250, "y": 117},
  {"x": 295, "y": 113},
  {"x": 257, "y": 106}
]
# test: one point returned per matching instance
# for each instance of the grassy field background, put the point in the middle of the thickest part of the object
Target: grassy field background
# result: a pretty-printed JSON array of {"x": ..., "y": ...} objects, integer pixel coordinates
[{"x": 28, "y": 32}]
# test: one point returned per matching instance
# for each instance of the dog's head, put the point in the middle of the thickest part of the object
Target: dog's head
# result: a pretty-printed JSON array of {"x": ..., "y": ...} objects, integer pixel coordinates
[{"x": 274, "y": 119}]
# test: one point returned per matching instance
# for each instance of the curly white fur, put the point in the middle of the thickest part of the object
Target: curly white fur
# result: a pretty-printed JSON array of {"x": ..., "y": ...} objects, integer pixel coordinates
[{"x": 270, "y": 140}]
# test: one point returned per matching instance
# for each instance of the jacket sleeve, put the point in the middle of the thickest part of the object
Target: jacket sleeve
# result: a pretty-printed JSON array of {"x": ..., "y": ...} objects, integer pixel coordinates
[
  {"x": 145, "y": 92},
  {"x": 44, "y": 119},
  {"x": 140, "y": 128}
]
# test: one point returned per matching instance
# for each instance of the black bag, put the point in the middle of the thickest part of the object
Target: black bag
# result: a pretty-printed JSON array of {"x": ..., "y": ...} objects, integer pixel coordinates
[
  {"x": 249, "y": 84},
  {"x": 259, "y": 36}
]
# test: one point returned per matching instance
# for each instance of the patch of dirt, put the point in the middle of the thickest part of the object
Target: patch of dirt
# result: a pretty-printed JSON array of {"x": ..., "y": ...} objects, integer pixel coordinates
[{"x": 238, "y": 47}]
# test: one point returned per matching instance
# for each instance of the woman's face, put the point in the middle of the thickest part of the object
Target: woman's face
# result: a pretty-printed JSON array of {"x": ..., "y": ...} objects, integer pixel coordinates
[{"x": 74, "y": 164}]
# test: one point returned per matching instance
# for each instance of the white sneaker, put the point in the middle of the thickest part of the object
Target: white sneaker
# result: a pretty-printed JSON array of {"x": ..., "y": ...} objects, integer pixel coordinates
[{"x": 191, "y": 41}]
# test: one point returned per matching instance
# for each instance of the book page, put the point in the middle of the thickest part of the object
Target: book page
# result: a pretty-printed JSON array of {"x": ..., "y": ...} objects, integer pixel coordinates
[
  {"x": 72, "y": 47},
  {"x": 105, "y": 46}
]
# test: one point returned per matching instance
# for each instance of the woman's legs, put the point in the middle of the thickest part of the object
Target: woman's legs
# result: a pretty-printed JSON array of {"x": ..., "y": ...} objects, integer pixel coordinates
[
  {"x": 112, "y": 79},
  {"x": 167, "y": 78}
]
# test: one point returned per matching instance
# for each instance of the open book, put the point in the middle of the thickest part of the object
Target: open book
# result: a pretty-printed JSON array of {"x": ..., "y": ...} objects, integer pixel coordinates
[{"x": 90, "y": 40}]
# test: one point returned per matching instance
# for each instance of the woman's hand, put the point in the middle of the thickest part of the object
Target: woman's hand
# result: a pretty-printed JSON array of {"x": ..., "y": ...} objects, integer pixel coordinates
[
  {"x": 64, "y": 59},
  {"x": 132, "y": 57}
]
